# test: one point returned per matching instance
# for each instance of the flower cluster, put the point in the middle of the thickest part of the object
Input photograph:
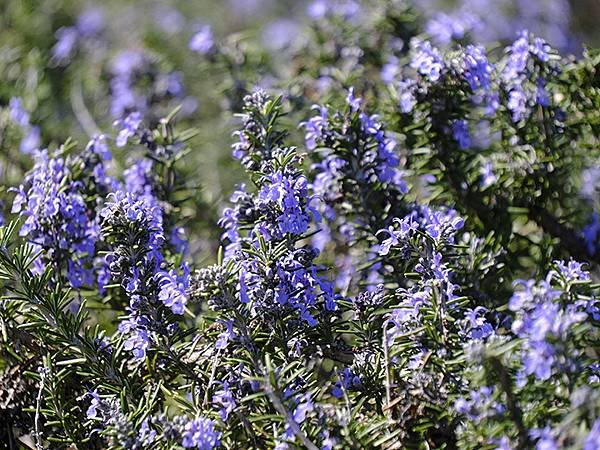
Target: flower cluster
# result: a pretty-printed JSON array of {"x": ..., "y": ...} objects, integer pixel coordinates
[
  {"x": 199, "y": 433},
  {"x": 59, "y": 220},
  {"x": 133, "y": 227},
  {"x": 138, "y": 86},
  {"x": 280, "y": 213},
  {"x": 544, "y": 323},
  {"x": 358, "y": 160},
  {"x": 524, "y": 77}
]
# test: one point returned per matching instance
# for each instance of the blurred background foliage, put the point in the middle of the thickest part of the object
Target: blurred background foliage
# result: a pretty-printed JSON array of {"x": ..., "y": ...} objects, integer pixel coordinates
[{"x": 64, "y": 59}]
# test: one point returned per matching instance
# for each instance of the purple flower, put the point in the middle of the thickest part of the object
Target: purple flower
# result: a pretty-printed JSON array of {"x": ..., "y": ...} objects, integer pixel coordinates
[
  {"x": 304, "y": 407},
  {"x": 315, "y": 127},
  {"x": 95, "y": 403},
  {"x": 391, "y": 241},
  {"x": 146, "y": 436},
  {"x": 290, "y": 196},
  {"x": 590, "y": 233},
  {"x": 353, "y": 102},
  {"x": 407, "y": 96},
  {"x": 545, "y": 440},
  {"x": 280, "y": 34},
  {"x": 542, "y": 96},
  {"x": 460, "y": 132},
  {"x": 58, "y": 220},
  {"x": 477, "y": 326},
  {"x": 390, "y": 70},
  {"x": 203, "y": 41},
  {"x": 592, "y": 442},
  {"x": 173, "y": 289},
  {"x": 572, "y": 271},
  {"x": 200, "y": 433},
  {"x": 31, "y": 141},
  {"x": 90, "y": 22},
  {"x": 426, "y": 59},
  {"x": 129, "y": 127},
  {"x": 488, "y": 177},
  {"x": 138, "y": 341},
  {"x": 17, "y": 113},
  {"x": 517, "y": 60},
  {"x": 517, "y": 103},
  {"x": 540, "y": 49},
  {"x": 99, "y": 146},
  {"x": 477, "y": 72},
  {"x": 228, "y": 335},
  {"x": 348, "y": 381},
  {"x": 169, "y": 19},
  {"x": 539, "y": 359},
  {"x": 223, "y": 398},
  {"x": 67, "y": 40},
  {"x": 503, "y": 444},
  {"x": 478, "y": 405},
  {"x": 318, "y": 9}
]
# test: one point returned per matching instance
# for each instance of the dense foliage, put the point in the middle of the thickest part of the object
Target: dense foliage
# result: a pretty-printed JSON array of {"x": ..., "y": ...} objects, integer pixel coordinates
[{"x": 409, "y": 258}]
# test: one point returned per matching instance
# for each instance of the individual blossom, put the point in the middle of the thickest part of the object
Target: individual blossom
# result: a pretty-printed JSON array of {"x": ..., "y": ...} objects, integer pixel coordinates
[
  {"x": 390, "y": 70},
  {"x": 18, "y": 113},
  {"x": 348, "y": 380},
  {"x": 226, "y": 336},
  {"x": 479, "y": 404},
  {"x": 139, "y": 338},
  {"x": 590, "y": 234},
  {"x": 128, "y": 128},
  {"x": 426, "y": 59},
  {"x": 408, "y": 100},
  {"x": 88, "y": 27},
  {"x": 544, "y": 439},
  {"x": 488, "y": 177},
  {"x": 460, "y": 132},
  {"x": 203, "y": 41},
  {"x": 169, "y": 19},
  {"x": 92, "y": 411},
  {"x": 201, "y": 433},
  {"x": 173, "y": 289},
  {"x": 315, "y": 126},
  {"x": 223, "y": 398},
  {"x": 476, "y": 325}
]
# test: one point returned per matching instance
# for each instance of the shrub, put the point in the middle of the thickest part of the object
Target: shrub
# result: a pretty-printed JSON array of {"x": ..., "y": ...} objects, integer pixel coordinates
[{"x": 410, "y": 258}]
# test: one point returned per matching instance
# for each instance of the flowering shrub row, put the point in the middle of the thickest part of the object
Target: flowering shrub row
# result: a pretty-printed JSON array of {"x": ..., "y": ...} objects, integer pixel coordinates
[{"x": 409, "y": 260}]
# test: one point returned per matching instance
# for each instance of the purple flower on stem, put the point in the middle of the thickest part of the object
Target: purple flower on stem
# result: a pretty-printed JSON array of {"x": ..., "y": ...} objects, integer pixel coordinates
[
  {"x": 129, "y": 127},
  {"x": 95, "y": 403},
  {"x": 223, "y": 398},
  {"x": 460, "y": 132}
]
